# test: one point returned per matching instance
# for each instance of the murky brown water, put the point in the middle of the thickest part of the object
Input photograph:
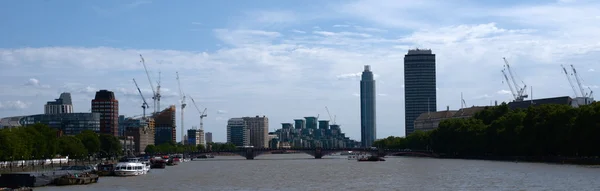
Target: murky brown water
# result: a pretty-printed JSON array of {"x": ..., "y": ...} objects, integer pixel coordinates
[{"x": 302, "y": 172}]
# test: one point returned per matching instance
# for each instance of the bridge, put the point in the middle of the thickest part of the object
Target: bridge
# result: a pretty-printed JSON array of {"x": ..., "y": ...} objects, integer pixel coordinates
[{"x": 251, "y": 153}]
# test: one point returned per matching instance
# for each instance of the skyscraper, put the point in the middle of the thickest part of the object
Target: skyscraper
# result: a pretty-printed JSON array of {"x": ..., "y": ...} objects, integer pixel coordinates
[
  {"x": 259, "y": 131},
  {"x": 61, "y": 105},
  {"x": 368, "y": 130},
  {"x": 420, "y": 93},
  {"x": 208, "y": 137},
  {"x": 107, "y": 105}
]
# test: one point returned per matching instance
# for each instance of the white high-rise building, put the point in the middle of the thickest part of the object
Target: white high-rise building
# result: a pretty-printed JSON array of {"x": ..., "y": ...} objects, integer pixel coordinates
[{"x": 61, "y": 105}]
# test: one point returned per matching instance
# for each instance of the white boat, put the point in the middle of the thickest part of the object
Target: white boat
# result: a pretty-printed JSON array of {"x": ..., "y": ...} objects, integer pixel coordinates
[{"x": 131, "y": 167}]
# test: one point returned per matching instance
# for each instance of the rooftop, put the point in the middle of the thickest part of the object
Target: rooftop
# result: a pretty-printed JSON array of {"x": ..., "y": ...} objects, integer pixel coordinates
[{"x": 419, "y": 51}]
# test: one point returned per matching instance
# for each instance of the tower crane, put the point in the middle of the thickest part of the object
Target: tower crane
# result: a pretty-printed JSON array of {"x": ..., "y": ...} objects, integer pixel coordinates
[
  {"x": 570, "y": 81},
  {"x": 182, "y": 105},
  {"x": 154, "y": 94},
  {"x": 333, "y": 119},
  {"x": 520, "y": 91},
  {"x": 583, "y": 93},
  {"x": 145, "y": 104},
  {"x": 512, "y": 90},
  {"x": 202, "y": 116}
]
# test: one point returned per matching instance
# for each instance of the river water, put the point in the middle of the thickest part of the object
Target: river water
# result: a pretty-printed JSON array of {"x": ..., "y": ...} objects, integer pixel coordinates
[{"x": 302, "y": 172}]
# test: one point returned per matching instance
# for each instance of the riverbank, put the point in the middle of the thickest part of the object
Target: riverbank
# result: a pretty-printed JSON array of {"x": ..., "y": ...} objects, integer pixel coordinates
[{"x": 537, "y": 159}]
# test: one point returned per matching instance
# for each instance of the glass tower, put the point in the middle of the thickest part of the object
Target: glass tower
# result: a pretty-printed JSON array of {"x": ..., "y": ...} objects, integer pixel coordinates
[
  {"x": 420, "y": 93},
  {"x": 367, "y": 108}
]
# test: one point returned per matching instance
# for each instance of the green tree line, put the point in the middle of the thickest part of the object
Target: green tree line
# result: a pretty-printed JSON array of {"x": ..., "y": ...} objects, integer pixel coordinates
[
  {"x": 543, "y": 130},
  {"x": 39, "y": 141},
  {"x": 179, "y": 148}
]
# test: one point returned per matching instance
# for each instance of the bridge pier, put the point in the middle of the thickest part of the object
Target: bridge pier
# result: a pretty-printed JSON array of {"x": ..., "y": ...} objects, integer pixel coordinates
[
  {"x": 249, "y": 154},
  {"x": 318, "y": 153}
]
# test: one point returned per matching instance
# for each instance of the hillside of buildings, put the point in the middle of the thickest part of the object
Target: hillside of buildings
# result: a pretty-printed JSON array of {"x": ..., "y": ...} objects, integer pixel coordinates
[
  {"x": 40, "y": 141},
  {"x": 542, "y": 130}
]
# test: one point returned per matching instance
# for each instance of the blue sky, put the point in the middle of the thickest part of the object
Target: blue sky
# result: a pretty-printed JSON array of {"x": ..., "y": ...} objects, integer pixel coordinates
[{"x": 288, "y": 59}]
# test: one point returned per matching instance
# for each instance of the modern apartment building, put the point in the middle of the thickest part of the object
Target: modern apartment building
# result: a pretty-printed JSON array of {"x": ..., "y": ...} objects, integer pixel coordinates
[
  {"x": 420, "y": 94},
  {"x": 368, "y": 129},
  {"x": 106, "y": 104},
  {"x": 237, "y": 132},
  {"x": 259, "y": 131},
  {"x": 61, "y": 105}
]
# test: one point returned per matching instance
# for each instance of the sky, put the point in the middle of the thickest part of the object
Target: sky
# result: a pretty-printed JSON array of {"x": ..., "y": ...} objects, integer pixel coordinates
[{"x": 288, "y": 59}]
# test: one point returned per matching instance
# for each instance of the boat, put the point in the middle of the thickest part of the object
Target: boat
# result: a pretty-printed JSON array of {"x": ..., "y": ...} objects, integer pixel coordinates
[
  {"x": 205, "y": 156},
  {"x": 106, "y": 169},
  {"x": 77, "y": 179},
  {"x": 176, "y": 161},
  {"x": 370, "y": 158},
  {"x": 131, "y": 167},
  {"x": 157, "y": 162},
  {"x": 356, "y": 156},
  {"x": 17, "y": 189}
]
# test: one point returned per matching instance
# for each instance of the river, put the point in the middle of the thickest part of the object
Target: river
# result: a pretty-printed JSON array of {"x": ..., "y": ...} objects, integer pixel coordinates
[{"x": 302, "y": 172}]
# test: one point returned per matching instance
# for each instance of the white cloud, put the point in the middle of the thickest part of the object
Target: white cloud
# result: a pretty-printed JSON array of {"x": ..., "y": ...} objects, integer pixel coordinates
[
  {"x": 221, "y": 111},
  {"x": 35, "y": 83},
  {"x": 13, "y": 105},
  {"x": 591, "y": 70},
  {"x": 298, "y": 31},
  {"x": 382, "y": 94},
  {"x": 503, "y": 92}
]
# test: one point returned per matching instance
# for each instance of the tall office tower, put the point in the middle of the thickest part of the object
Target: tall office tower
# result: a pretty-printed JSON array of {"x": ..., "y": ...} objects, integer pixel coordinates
[
  {"x": 259, "y": 131},
  {"x": 368, "y": 130},
  {"x": 420, "y": 93},
  {"x": 208, "y": 137},
  {"x": 107, "y": 105},
  {"x": 237, "y": 132},
  {"x": 61, "y": 105}
]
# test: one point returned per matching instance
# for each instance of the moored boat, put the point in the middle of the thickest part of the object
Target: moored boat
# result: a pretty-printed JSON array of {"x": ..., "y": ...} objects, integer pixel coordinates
[
  {"x": 76, "y": 179},
  {"x": 131, "y": 167},
  {"x": 106, "y": 169}
]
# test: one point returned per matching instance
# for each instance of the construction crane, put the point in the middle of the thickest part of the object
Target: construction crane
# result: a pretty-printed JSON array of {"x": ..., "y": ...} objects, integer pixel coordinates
[
  {"x": 154, "y": 94},
  {"x": 145, "y": 104},
  {"x": 202, "y": 116},
  {"x": 512, "y": 90},
  {"x": 520, "y": 91},
  {"x": 583, "y": 93},
  {"x": 570, "y": 80},
  {"x": 158, "y": 93},
  {"x": 333, "y": 119},
  {"x": 591, "y": 93},
  {"x": 182, "y": 105}
]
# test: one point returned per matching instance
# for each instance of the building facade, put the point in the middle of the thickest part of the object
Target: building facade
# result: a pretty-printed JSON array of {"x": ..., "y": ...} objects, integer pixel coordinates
[
  {"x": 142, "y": 132},
  {"x": 193, "y": 137},
  {"x": 208, "y": 137},
  {"x": 237, "y": 132},
  {"x": 259, "y": 131},
  {"x": 66, "y": 123},
  {"x": 299, "y": 123},
  {"x": 61, "y": 105},
  {"x": 106, "y": 104},
  {"x": 420, "y": 94},
  {"x": 165, "y": 121},
  {"x": 368, "y": 129}
]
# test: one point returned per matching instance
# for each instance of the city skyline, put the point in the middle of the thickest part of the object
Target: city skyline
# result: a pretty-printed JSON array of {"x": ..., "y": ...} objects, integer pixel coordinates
[{"x": 288, "y": 59}]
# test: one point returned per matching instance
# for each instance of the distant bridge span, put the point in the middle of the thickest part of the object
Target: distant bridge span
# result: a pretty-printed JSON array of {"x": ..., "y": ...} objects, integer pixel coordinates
[{"x": 251, "y": 153}]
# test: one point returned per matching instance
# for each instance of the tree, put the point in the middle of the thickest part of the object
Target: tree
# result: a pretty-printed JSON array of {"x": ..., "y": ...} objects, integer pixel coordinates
[
  {"x": 150, "y": 149},
  {"x": 90, "y": 140},
  {"x": 72, "y": 147},
  {"x": 110, "y": 145}
]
